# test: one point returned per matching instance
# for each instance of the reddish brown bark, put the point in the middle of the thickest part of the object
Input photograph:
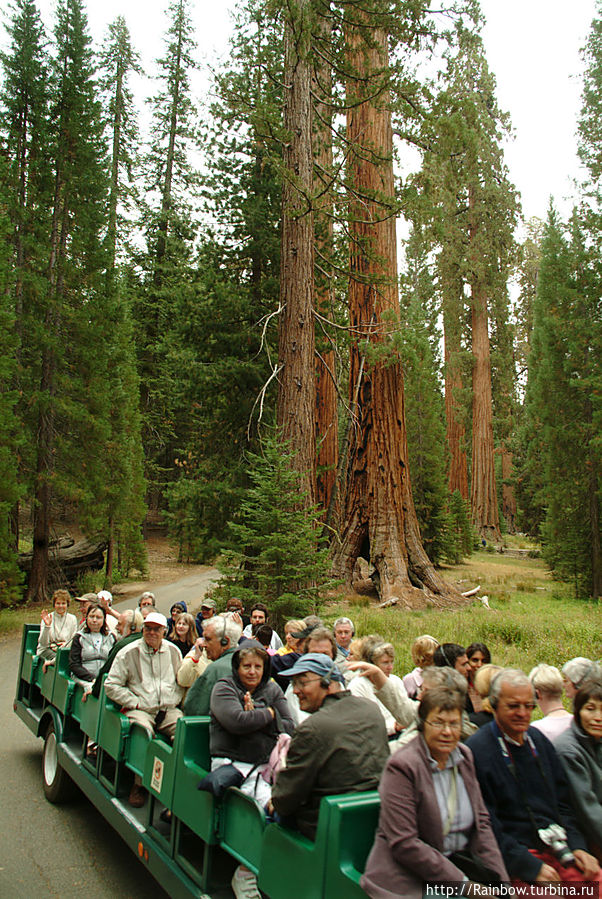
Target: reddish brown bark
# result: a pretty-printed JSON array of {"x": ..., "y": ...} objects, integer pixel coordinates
[
  {"x": 483, "y": 493},
  {"x": 456, "y": 432},
  {"x": 380, "y": 520},
  {"x": 296, "y": 346},
  {"x": 327, "y": 437}
]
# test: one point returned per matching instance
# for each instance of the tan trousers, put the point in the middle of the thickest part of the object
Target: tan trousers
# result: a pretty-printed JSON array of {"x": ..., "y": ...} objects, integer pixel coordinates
[{"x": 167, "y": 726}]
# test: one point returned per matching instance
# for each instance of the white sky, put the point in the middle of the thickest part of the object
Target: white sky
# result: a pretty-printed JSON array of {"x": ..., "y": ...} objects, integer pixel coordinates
[{"x": 532, "y": 46}]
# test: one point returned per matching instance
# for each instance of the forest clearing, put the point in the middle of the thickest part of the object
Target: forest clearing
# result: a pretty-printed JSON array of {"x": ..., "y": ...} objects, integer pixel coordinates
[{"x": 299, "y": 324}]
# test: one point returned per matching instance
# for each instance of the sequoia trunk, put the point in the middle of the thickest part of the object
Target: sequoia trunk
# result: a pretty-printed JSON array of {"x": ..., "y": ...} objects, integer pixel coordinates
[
  {"x": 296, "y": 343},
  {"x": 327, "y": 437},
  {"x": 483, "y": 494},
  {"x": 379, "y": 519}
]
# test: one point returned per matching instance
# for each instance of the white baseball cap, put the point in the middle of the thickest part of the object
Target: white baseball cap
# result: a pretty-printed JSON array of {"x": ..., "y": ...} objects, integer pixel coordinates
[{"x": 155, "y": 618}]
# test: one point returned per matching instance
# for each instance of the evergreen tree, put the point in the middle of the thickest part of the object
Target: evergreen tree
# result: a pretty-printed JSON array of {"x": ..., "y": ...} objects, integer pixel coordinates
[
  {"x": 68, "y": 427},
  {"x": 170, "y": 180},
  {"x": 562, "y": 405},
  {"x": 272, "y": 555},
  {"x": 424, "y": 403}
]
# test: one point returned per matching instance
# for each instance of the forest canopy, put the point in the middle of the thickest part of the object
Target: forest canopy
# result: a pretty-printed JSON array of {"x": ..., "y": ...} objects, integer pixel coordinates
[{"x": 185, "y": 290}]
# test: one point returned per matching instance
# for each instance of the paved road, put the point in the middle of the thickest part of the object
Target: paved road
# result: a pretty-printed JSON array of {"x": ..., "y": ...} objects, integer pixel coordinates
[
  {"x": 190, "y": 589},
  {"x": 55, "y": 852},
  {"x": 63, "y": 852}
]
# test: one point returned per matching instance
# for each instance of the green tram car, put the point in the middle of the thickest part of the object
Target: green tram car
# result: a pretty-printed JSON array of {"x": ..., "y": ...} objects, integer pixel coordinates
[{"x": 195, "y": 853}]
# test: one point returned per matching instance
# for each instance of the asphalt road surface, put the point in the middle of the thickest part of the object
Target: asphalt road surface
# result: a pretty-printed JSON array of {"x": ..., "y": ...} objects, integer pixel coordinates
[
  {"x": 190, "y": 589},
  {"x": 69, "y": 851}
]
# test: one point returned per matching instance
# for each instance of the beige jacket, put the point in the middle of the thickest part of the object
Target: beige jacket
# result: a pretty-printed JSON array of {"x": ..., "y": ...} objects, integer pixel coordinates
[{"x": 143, "y": 679}]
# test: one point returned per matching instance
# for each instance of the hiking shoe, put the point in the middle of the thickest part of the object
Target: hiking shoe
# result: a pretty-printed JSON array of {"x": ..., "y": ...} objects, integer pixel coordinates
[
  {"x": 137, "y": 796},
  {"x": 244, "y": 884}
]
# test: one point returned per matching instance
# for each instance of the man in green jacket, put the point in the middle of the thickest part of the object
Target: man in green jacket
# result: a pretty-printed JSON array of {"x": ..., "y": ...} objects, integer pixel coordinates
[
  {"x": 220, "y": 637},
  {"x": 341, "y": 748}
]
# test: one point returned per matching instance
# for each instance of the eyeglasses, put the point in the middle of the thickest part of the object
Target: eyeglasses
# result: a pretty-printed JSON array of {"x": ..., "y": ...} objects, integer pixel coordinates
[
  {"x": 438, "y": 724},
  {"x": 302, "y": 681}
]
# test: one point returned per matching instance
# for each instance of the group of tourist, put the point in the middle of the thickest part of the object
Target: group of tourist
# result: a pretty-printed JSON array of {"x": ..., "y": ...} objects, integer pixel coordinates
[{"x": 471, "y": 791}]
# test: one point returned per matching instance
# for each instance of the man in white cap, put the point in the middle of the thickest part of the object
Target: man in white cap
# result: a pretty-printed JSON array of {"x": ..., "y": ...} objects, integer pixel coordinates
[
  {"x": 341, "y": 748},
  {"x": 105, "y": 599},
  {"x": 142, "y": 681}
]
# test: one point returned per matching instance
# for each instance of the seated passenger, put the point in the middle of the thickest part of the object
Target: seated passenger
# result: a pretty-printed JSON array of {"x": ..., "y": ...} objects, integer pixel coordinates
[
  {"x": 259, "y": 616},
  {"x": 104, "y": 598},
  {"x": 423, "y": 650},
  {"x": 526, "y": 791},
  {"x": 547, "y": 683},
  {"x": 142, "y": 681},
  {"x": 220, "y": 641},
  {"x": 452, "y": 655},
  {"x": 58, "y": 628},
  {"x": 207, "y": 611},
  {"x": 482, "y": 684},
  {"x": 146, "y": 603},
  {"x": 129, "y": 629},
  {"x": 344, "y": 631},
  {"x": 478, "y": 655},
  {"x": 263, "y": 635},
  {"x": 320, "y": 639},
  {"x": 177, "y": 609},
  {"x": 575, "y": 672},
  {"x": 183, "y": 634},
  {"x": 341, "y": 747},
  {"x": 292, "y": 643},
  {"x": 248, "y": 711},
  {"x": 580, "y": 751},
  {"x": 432, "y": 814},
  {"x": 383, "y": 656},
  {"x": 90, "y": 647}
]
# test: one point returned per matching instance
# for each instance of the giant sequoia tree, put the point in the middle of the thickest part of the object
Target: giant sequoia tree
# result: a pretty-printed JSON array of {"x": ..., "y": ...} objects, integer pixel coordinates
[{"x": 379, "y": 519}]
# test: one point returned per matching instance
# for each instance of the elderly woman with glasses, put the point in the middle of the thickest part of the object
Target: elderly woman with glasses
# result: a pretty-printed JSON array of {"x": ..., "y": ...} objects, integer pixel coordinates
[{"x": 433, "y": 821}]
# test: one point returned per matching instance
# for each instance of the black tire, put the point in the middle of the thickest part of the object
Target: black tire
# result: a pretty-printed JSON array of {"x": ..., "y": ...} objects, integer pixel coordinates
[{"x": 58, "y": 786}]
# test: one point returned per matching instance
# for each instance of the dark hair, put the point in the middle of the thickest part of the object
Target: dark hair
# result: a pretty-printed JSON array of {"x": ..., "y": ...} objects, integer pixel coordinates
[
  {"x": 439, "y": 698},
  {"x": 479, "y": 647},
  {"x": 178, "y": 606},
  {"x": 446, "y": 655},
  {"x": 234, "y": 603},
  {"x": 104, "y": 629},
  {"x": 322, "y": 633},
  {"x": 590, "y": 689},
  {"x": 259, "y": 607},
  {"x": 263, "y": 634}
]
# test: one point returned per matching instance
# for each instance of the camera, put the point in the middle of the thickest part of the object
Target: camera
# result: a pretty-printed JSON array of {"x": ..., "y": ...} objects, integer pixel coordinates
[{"x": 554, "y": 837}]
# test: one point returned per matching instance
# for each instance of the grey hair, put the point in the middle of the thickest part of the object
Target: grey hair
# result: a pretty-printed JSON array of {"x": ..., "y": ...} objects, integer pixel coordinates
[
  {"x": 444, "y": 677},
  {"x": 546, "y": 679},
  {"x": 514, "y": 677},
  {"x": 381, "y": 649},
  {"x": 344, "y": 621},
  {"x": 577, "y": 670},
  {"x": 145, "y": 594},
  {"x": 231, "y": 629}
]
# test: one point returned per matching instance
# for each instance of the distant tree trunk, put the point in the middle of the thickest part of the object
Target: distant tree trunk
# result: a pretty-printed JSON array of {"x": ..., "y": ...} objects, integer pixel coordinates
[
  {"x": 45, "y": 432},
  {"x": 508, "y": 497},
  {"x": 296, "y": 339},
  {"x": 379, "y": 519},
  {"x": 110, "y": 554},
  {"x": 456, "y": 432},
  {"x": 594, "y": 517},
  {"x": 483, "y": 493},
  {"x": 327, "y": 437}
]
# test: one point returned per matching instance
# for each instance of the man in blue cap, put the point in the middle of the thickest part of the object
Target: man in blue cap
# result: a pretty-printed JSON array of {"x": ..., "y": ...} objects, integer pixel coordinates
[{"x": 341, "y": 748}]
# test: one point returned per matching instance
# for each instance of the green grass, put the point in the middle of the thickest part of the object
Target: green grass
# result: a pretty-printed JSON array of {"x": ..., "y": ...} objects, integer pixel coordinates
[{"x": 532, "y": 619}]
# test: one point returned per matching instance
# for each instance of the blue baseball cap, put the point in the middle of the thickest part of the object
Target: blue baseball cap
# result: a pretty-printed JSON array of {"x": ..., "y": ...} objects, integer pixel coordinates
[{"x": 319, "y": 663}]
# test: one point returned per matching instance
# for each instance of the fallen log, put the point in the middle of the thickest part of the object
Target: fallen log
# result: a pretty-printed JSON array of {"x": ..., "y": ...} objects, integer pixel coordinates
[{"x": 67, "y": 562}]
